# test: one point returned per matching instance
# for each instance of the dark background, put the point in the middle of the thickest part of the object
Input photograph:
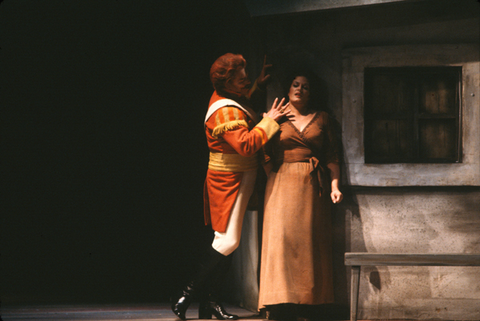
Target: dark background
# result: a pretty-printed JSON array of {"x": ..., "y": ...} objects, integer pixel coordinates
[{"x": 103, "y": 153}]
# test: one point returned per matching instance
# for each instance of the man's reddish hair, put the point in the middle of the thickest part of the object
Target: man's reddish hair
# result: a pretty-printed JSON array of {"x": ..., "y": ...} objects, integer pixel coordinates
[{"x": 224, "y": 68}]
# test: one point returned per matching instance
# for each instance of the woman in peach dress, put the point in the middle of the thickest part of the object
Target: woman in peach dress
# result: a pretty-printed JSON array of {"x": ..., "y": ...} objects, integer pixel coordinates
[{"x": 303, "y": 181}]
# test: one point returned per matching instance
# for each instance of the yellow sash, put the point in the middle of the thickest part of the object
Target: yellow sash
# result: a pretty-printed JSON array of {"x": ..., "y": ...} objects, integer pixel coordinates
[{"x": 232, "y": 162}]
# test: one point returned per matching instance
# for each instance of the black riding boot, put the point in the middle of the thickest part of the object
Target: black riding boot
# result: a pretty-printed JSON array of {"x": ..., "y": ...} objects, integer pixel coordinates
[
  {"x": 210, "y": 305},
  {"x": 204, "y": 272},
  {"x": 214, "y": 307}
]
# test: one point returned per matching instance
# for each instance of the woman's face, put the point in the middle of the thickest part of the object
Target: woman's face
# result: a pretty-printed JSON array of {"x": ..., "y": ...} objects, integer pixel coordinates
[{"x": 299, "y": 91}]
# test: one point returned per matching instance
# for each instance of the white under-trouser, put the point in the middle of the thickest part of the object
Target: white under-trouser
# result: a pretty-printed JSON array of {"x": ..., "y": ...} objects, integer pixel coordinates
[{"x": 228, "y": 241}]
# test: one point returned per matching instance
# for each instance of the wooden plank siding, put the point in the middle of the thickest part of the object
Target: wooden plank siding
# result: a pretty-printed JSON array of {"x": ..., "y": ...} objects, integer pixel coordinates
[{"x": 357, "y": 260}]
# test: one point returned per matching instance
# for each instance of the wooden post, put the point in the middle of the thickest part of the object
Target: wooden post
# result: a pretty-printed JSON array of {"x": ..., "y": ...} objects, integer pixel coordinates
[{"x": 355, "y": 286}]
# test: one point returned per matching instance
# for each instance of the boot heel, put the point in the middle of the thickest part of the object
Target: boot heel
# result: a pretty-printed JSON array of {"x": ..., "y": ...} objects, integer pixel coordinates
[{"x": 207, "y": 310}]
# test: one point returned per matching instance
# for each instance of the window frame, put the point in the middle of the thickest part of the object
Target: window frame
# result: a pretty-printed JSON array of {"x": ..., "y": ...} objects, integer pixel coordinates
[{"x": 359, "y": 173}]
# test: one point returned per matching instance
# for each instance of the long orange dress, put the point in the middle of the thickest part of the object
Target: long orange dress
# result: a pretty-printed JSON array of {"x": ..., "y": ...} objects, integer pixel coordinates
[{"x": 296, "y": 263}]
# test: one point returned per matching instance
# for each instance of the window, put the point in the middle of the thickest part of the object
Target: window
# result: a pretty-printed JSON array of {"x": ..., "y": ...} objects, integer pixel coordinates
[
  {"x": 412, "y": 115},
  {"x": 438, "y": 88}
]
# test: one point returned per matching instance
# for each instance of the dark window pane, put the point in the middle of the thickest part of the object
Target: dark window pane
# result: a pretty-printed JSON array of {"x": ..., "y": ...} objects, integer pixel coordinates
[
  {"x": 390, "y": 141},
  {"x": 438, "y": 139},
  {"x": 412, "y": 115},
  {"x": 437, "y": 95},
  {"x": 390, "y": 94}
]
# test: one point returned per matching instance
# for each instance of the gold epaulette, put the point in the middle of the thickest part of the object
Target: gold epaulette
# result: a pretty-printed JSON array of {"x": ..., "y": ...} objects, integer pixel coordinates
[{"x": 231, "y": 125}]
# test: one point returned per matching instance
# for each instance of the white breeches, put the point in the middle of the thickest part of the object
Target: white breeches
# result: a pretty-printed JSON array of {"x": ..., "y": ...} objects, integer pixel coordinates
[{"x": 228, "y": 241}]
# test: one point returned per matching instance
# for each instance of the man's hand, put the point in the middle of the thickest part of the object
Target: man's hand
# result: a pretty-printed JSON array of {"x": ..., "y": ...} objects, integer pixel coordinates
[
  {"x": 264, "y": 77},
  {"x": 278, "y": 110}
]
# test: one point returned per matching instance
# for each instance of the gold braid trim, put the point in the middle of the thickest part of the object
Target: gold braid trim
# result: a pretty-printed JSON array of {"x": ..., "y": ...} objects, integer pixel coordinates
[{"x": 225, "y": 127}]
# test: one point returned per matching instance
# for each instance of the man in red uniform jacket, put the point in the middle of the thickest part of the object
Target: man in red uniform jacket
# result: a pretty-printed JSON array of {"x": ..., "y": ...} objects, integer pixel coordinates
[{"x": 234, "y": 136}]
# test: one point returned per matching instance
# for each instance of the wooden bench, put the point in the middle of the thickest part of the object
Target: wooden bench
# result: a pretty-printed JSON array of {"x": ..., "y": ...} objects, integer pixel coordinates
[{"x": 357, "y": 260}]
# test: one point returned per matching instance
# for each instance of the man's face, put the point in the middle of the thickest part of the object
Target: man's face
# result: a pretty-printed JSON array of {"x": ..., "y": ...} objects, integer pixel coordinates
[{"x": 240, "y": 84}]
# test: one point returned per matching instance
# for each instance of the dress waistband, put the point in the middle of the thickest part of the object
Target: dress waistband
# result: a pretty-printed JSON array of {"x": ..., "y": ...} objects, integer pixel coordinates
[
  {"x": 319, "y": 174},
  {"x": 232, "y": 162}
]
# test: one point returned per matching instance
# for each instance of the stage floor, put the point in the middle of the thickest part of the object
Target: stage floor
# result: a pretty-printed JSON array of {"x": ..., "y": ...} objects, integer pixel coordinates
[
  {"x": 145, "y": 312},
  {"x": 110, "y": 312}
]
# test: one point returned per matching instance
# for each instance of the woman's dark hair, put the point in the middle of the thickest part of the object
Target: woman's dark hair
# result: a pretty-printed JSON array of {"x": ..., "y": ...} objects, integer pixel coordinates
[
  {"x": 224, "y": 68},
  {"x": 316, "y": 92}
]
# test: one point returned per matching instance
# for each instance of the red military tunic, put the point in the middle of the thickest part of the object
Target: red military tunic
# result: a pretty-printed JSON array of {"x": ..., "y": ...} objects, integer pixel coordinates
[{"x": 233, "y": 138}]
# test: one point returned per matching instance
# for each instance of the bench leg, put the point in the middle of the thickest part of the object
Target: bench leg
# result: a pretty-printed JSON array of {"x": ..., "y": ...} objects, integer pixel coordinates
[{"x": 354, "y": 292}]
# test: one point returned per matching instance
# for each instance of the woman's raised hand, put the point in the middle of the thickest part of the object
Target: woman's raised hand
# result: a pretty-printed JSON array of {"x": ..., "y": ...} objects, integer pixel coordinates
[{"x": 278, "y": 110}]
